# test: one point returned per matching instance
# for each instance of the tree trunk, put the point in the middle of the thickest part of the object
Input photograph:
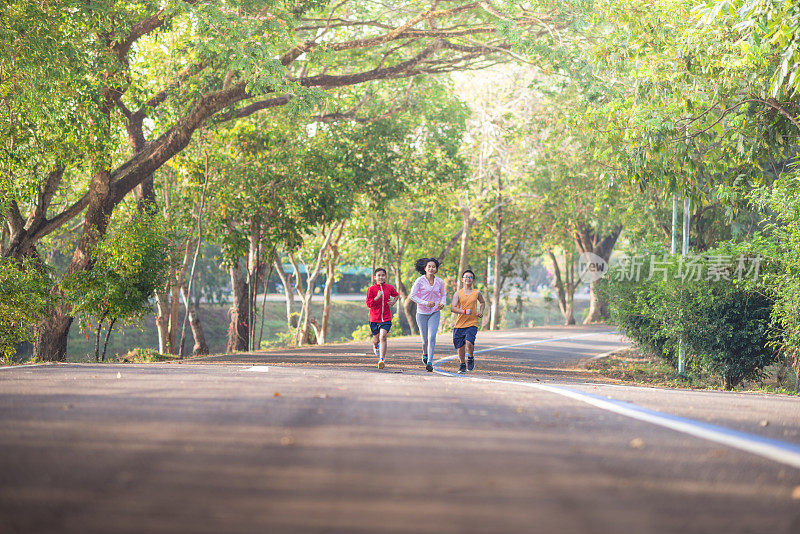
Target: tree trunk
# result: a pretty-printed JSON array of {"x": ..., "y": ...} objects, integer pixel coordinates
[
  {"x": 291, "y": 318},
  {"x": 494, "y": 322},
  {"x": 200, "y": 345},
  {"x": 108, "y": 335},
  {"x": 50, "y": 343},
  {"x": 565, "y": 288},
  {"x": 237, "y": 330},
  {"x": 588, "y": 239},
  {"x": 598, "y": 307},
  {"x": 97, "y": 339},
  {"x": 306, "y": 319},
  {"x": 254, "y": 274},
  {"x": 175, "y": 297},
  {"x": 162, "y": 319},
  {"x": 466, "y": 226},
  {"x": 332, "y": 258},
  {"x": 326, "y": 299},
  {"x": 244, "y": 286},
  {"x": 174, "y": 311}
]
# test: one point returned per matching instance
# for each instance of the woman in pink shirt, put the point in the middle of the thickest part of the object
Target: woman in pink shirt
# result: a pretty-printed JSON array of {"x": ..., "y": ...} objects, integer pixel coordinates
[{"x": 428, "y": 293}]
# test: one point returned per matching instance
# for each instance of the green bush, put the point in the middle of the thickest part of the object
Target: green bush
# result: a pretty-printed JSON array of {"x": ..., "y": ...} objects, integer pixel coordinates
[
  {"x": 634, "y": 308},
  {"x": 24, "y": 296},
  {"x": 130, "y": 264},
  {"x": 722, "y": 317},
  {"x": 780, "y": 248}
]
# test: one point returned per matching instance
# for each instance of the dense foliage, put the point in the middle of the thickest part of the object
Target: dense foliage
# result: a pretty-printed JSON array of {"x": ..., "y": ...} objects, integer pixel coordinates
[
  {"x": 24, "y": 296},
  {"x": 715, "y": 304}
]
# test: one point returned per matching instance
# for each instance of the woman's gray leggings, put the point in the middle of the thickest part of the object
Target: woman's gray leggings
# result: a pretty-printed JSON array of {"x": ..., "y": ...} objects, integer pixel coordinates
[{"x": 428, "y": 326}]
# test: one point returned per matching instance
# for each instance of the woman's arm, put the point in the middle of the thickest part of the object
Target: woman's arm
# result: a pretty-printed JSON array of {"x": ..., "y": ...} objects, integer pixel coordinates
[{"x": 414, "y": 289}]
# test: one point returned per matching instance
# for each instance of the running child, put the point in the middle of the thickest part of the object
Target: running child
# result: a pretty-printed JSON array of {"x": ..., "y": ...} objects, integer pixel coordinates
[
  {"x": 380, "y": 299},
  {"x": 469, "y": 316},
  {"x": 428, "y": 293}
]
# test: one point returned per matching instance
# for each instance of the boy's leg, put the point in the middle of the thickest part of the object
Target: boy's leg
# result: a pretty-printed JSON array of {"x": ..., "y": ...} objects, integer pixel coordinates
[
  {"x": 470, "y": 350},
  {"x": 382, "y": 346},
  {"x": 470, "y": 344},
  {"x": 458, "y": 343},
  {"x": 376, "y": 343}
]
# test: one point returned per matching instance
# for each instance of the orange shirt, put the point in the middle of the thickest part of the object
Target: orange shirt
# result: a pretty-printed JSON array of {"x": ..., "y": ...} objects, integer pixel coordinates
[{"x": 467, "y": 302}]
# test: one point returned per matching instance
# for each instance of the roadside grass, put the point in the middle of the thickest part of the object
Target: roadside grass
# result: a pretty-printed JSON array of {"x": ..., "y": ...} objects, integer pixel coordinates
[
  {"x": 631, "y": 366},
  {"x": 144, "y": 356}
]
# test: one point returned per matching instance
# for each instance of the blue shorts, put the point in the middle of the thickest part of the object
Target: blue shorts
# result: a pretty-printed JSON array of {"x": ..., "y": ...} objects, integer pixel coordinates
[
  {"x": 376, "y": 327},
  {"x": 461, "y": 335}
]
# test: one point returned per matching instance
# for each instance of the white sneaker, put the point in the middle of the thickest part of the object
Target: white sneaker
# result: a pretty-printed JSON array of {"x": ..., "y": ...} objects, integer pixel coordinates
[
  {"x": 381, "y": 364},
  {"x": 376, "y": 350}
]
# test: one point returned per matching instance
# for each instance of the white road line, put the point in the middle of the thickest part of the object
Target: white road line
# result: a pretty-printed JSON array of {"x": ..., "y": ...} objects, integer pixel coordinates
[
  {"x": 257, "y": 369},
  {"x": 534, "y": 342},
  {"x": 772, "y": 449},
  {"x": 22, "y": 366}
]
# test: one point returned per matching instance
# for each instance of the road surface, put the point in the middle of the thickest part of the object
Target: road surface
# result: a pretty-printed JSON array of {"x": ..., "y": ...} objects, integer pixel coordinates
[{"x": 320, "y": 440}]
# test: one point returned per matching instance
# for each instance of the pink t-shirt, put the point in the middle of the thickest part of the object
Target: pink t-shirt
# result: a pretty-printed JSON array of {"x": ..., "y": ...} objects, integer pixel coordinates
[{"x": 422, "y": 292}]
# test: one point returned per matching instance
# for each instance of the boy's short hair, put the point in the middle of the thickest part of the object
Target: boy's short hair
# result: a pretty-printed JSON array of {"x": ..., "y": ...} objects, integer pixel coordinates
[
  {"x": 468, "y": 271},
  {"x": 379, "y": 269}
]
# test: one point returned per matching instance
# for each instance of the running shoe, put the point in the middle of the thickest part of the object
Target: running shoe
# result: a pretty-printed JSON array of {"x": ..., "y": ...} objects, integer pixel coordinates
[
  {"x": 381, "y": 363},
  {"x": 462, "y": 369},
  {"x": 428, "y": 367},
  {"x": 376, "y": 350},
  {"x": 471, "y": 363},
  {"x": 424, "y": 359}
]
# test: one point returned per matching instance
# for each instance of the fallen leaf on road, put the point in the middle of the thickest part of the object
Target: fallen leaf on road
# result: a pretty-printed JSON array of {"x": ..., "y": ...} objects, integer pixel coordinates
[
  {"x": 763, "y": 422},
  {"x": 321, "y": 396},
  {"x": 518, "y": 409},
  {"x": 287, "y": 441},
  {"x": 277, "y": 394},
  {"x": 796, "y": 493},
  {"x": 636, "y": 443}
]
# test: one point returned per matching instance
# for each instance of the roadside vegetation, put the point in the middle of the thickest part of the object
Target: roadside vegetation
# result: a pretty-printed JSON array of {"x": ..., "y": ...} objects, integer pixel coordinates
[
  {"x": 164, "y": 164},
  {"x": 631, "y": 366}
]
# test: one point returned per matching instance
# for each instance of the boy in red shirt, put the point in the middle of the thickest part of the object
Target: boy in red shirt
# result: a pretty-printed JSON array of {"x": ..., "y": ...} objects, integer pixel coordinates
[{"x": 380, "y": 299}]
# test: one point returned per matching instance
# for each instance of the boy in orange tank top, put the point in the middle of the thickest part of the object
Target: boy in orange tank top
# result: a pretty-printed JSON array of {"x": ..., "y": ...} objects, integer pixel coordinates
[{"x": 469, "y": 316}]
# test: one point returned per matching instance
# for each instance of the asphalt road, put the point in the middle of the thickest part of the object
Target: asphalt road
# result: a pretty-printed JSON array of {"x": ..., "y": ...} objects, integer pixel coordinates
[{"x": 320, "y": 440}]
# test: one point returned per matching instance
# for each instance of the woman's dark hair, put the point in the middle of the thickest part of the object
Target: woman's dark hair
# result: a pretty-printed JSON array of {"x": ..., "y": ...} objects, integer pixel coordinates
[
  {"x": 379, "y": 269},
  {"x": 468, "y": 271},
  {"x": 423, "y": 262}
]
